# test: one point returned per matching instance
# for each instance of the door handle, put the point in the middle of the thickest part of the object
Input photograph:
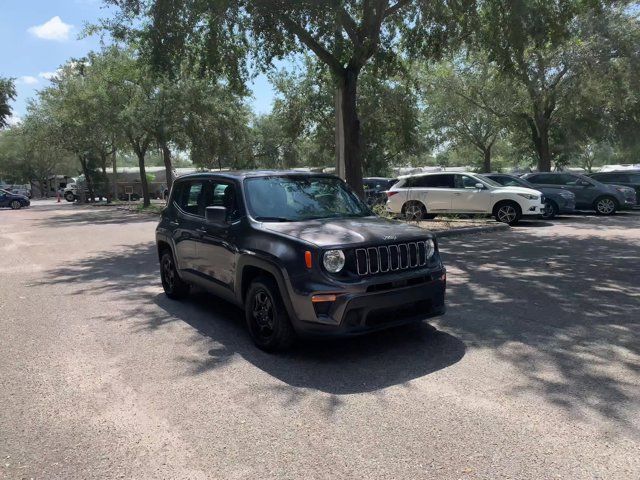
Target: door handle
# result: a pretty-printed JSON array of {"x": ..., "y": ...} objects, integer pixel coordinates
[{"x": 174, "y": 223}]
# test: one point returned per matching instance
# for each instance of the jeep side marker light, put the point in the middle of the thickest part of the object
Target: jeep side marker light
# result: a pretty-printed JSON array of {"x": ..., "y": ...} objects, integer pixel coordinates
[{"x": 307, "y": 258}]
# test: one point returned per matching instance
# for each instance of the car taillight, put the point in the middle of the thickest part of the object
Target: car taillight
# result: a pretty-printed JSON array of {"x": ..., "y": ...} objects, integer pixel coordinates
[{"x": 390, "y": 194}]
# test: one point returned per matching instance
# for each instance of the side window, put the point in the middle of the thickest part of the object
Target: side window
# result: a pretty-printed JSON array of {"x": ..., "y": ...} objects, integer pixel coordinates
[
  {"x": 466, "y": 182},
  {"x": 546, "y": 178},
  {"x": 435, "y": 181},
  {"x": 221, "y": 194},
  {"x": 618, "y": 177},
  {"x": 191, "y": 198},
  {"x": 634, "y": 178},
  {"x": 572, "y": 180}
]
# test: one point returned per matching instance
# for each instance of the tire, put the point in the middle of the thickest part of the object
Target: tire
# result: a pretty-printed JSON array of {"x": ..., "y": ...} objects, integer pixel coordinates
[
  {"x": 69, "y": 197},
  {"x": 551, "y": 210},
  {"x": 174, "y": 287},
  {"x": 266, "y": 316},
  {"x": 507, "y": 212},
  {"x": 605, "y": 205},
  {"x": 414, "y": 211},
  {"x": 16, "y": 205}
]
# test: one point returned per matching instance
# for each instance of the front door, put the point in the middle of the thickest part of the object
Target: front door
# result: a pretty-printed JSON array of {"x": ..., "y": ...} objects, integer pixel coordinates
[
  {"x": 216, "y": 247},
  {"x": 467, "y": 198}
]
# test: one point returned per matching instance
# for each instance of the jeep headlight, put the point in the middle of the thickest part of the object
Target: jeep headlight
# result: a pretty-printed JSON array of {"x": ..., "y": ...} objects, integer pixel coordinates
[
  {"x": 333, "y": 260},
  {"x": 529, "y": 196},
  {"x": 431, "y": 248}
]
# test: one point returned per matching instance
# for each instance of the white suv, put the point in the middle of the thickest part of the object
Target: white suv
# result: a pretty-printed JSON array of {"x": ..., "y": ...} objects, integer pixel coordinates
[{"x": 425, "y": 196}]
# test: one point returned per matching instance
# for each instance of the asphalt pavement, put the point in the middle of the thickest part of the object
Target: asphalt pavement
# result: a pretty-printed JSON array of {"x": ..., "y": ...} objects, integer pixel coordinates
[{"x": 534, "y": 373}]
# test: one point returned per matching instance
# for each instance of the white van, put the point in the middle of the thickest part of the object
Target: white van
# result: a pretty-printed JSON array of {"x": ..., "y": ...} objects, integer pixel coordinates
[{"x": 425, "y": 196}]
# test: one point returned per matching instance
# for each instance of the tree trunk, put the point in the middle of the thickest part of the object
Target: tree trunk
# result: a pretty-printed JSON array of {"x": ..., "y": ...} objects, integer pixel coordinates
[
  {"x": 351, "y": 129},
  {"x": 168, "y": 167},
  {"x": 486, "y": 164},
  {"x": 143, "y": 178},
  {"x": 115, "y": 176},
  {"x": 88, "y": 181},
  {"x": 339, "y": 134},
  {"x": 540, "y": 136}
]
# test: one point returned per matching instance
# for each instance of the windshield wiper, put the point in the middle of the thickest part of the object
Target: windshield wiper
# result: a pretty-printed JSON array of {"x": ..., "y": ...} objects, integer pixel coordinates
[{"x": 273, "y": 219}]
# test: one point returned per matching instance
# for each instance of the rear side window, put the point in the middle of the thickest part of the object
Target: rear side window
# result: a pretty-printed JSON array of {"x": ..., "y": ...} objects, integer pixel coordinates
[
  {"x": 546, "y": 178},
  {"x": 434, "y": 181},
  {"x": 190, "y": 197}
]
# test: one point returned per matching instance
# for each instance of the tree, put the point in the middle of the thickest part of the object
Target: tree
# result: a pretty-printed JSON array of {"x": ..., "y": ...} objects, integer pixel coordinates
[
  {"x": 547, "y": 48},
  {"x": 7, "y": 94},
  {"x": 467, "y": 104},
  {"x": 389, "y": 114},
  {"x": 344, "y": 35}
]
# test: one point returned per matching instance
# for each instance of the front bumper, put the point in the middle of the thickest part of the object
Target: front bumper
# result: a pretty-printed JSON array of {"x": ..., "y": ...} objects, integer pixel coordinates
[
  {"x": 358, "y": 313},
  {"x": 533, "y": 209}
]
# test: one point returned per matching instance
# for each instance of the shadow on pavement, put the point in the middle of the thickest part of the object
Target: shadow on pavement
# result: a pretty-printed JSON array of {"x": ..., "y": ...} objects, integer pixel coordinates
[
  {"x": 360, "y": 364},
  {"x": 564, "y": 311}
]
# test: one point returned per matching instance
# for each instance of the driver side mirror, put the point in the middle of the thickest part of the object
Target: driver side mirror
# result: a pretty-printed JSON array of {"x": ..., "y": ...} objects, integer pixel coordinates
[
  {"x": 480, "y": 186},
  {"x": 216, "y": 215}
]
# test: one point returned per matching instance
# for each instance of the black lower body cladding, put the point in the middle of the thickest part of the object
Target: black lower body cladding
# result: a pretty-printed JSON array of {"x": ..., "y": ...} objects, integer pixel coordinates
[{"x": 354, "y": 314}]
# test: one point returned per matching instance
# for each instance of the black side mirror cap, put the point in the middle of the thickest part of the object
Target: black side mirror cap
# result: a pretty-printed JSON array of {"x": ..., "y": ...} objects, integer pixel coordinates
[{"x": 216, "y": 215}]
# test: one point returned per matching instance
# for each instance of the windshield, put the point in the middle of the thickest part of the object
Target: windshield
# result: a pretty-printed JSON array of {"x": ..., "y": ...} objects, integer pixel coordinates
[
  {"x": 2, "y": 190},
  {"x": 292, "y": 199}
]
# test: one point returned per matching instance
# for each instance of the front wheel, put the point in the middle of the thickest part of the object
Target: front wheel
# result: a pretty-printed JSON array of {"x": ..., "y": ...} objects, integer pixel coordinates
[
  {"x": 16, "y": 205},
  {"x": 174, "y": 287},
  {"x": 266, "y": 316},
  {"x": 507, "y": 212},
  {"x": 69, "y": 197},
  {"x": 550, "y": 211},
  {"x": 605, "y": 206}
]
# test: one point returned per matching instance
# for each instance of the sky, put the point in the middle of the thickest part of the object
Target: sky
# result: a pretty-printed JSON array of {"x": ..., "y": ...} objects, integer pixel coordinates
[{"x": 37, "y": 36}]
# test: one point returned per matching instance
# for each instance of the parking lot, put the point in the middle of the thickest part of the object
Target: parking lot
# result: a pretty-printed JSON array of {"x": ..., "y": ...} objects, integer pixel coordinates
[{"x": 533, "y": 373}]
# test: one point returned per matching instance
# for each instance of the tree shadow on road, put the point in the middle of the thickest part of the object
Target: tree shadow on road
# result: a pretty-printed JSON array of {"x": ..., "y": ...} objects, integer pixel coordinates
[
  {"x": 83, "y": 216},
  {"x": 565, "y": 311},
  {"x": 361, "y": 364}
]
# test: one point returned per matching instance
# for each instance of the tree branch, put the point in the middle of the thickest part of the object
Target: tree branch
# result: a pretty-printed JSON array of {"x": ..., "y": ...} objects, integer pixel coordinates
[
  {"x": 349, "y": 25},
  {"x": 306, "y": 38},
  {"x": 397, "y": 6}
]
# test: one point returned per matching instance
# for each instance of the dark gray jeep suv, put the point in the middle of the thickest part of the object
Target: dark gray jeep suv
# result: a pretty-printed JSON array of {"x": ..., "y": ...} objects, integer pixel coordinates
[{"x": 299, "y": 252}]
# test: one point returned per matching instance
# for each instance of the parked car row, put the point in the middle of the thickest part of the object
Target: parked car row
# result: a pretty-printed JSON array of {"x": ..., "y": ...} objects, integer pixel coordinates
[
  {"x": 13, "y": 200},
  {"x": 508, "y": 198}
]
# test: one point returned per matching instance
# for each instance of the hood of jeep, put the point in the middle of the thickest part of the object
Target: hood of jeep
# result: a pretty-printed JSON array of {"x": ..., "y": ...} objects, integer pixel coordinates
[{"x": 328, "y": 232}]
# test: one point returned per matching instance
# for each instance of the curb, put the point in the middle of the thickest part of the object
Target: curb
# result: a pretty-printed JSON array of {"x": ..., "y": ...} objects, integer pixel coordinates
[{"x": 471, "y": 230}]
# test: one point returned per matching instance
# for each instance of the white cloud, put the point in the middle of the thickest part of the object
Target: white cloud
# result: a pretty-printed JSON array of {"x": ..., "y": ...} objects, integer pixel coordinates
[
  {"x": 48, "y": 75},
  {"x": 28, "y": 80},
  {"x": 54, "y": 29}
]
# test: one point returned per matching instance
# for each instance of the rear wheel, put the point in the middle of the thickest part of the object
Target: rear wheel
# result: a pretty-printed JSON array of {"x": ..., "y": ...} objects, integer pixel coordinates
[
  {"x": 266, "y": 316},
  {"x": 16, "y": 205},
  {"x": 69, "y": 197},
  {"x": 550, "y": 210},
  {"x": 174, "y": 287},
  {"x": 507, "y": 212},
  {"x": 605, "y": 206},
  {"x": 414, "y": 211}
]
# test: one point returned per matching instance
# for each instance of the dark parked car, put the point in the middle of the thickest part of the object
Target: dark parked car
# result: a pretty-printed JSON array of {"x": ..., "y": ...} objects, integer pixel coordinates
[
  {"x": 557, "y": 200},
  {"x": 299, "y": 252},
  {"x": 590, "y": 194},
  {"x": 8, "y": 199},
  {"x": 628, "y": 178},
  {"x": 375, "y": 189}
]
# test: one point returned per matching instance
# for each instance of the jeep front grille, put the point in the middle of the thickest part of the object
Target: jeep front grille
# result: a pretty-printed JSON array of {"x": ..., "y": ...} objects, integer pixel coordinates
[{"x": 390, "y": 258}]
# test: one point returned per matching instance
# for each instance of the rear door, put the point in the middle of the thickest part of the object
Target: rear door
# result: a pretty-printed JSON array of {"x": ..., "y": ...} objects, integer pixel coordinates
[
  {"x": 467, "y": 198},
  {"x": 434, "y": 191},
  {"x": 189, "y": 203}
]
